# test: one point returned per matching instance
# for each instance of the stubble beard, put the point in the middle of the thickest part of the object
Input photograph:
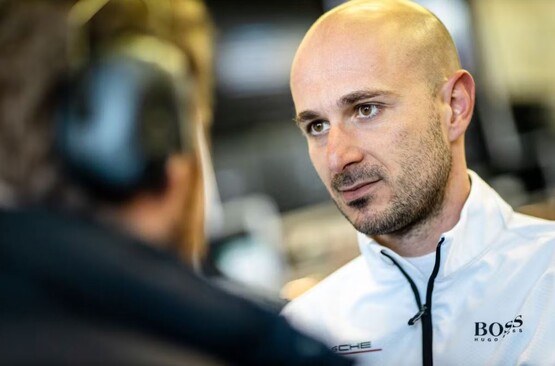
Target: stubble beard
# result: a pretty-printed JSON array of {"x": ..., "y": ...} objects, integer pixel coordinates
[{"x": 418, "y": 193}]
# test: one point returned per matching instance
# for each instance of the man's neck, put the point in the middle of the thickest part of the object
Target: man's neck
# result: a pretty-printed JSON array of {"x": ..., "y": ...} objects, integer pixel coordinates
[{"x": 423, "y": 238}]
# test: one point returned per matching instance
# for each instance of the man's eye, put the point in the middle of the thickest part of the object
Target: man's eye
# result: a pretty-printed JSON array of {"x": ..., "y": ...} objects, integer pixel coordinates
[
  {"x": 367, "y": 110},
  {"x": 318, "y": 127}
]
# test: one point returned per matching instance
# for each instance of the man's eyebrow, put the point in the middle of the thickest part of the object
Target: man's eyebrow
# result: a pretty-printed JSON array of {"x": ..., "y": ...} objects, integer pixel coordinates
[
  {"x": 346, "y": 100},
  {"x": 359, "y": 95},
  {"x": 305, "y": 116}
]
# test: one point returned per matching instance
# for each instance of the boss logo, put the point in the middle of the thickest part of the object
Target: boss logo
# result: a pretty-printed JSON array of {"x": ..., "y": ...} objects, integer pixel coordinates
[{"x": 492, "y": 332}]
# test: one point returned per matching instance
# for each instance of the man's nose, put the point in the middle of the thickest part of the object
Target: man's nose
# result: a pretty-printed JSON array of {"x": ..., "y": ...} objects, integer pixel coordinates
[{"x": 342, "y": 149}]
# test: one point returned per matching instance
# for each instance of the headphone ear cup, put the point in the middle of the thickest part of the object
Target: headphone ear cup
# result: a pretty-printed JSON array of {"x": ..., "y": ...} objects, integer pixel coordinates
[
  {"x": 159, "y": 116},
  {"x": 117, "y": 122}
]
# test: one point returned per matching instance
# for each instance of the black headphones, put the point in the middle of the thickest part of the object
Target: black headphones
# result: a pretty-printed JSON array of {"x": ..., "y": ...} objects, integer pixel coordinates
[{"x": 124, "y": 109}]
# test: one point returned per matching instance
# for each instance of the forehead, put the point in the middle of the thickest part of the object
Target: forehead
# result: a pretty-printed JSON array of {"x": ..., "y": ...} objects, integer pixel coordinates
[{"x": 341, "y": 56}]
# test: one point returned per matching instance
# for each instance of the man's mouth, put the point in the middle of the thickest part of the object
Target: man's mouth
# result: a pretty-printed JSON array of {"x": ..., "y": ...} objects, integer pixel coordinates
[{"x": 357, "y": 190}]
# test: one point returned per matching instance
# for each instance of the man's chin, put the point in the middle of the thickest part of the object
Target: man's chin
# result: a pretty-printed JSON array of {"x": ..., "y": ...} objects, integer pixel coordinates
[
  {"x": 353, "y": 209},
  {"x": 359, "y": 204},
  {"x": 369, "y": 222}
]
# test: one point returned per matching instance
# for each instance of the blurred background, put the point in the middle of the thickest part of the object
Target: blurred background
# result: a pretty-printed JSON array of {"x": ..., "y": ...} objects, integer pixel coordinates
[{"x": 276, "y": 229}]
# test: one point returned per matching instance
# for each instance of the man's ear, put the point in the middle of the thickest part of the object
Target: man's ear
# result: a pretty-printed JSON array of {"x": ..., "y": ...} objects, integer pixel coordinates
[
  {"x": 179, "y": 169},
  {"x": 156, "y": 216},
  {"x": 458, "y": 94},
  {"x": 186, "y": 191},
  {"x": 181, "y": 175}
]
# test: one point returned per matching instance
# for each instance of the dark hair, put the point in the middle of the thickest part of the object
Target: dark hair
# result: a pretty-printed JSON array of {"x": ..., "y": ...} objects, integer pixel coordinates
[{"x": 33, "y": 66}]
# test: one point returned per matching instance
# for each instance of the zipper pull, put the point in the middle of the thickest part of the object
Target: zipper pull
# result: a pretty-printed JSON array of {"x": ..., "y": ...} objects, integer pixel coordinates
[{"x": 418, "y": 315}]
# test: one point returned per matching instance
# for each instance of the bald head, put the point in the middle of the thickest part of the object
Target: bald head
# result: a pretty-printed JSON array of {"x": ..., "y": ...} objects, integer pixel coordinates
[
  {"x": 411, "y": 37},
  {"x": 384, "y": 106}
]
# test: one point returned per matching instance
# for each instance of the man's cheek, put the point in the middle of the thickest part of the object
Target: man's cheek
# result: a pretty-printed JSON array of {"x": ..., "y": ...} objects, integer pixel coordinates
[{"x": 321, "y": 168}]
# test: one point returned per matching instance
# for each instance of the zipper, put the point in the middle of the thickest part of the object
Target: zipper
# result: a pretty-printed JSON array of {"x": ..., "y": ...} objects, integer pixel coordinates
[{"x": 424, "y": 310}]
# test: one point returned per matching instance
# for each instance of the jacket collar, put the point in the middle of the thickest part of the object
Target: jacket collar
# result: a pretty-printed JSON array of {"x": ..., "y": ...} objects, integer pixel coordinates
[{"x": 483, "y": 216}]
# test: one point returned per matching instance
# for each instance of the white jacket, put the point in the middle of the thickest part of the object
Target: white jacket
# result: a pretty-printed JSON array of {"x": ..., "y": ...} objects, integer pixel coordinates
[{"x": 492, "y": 300}]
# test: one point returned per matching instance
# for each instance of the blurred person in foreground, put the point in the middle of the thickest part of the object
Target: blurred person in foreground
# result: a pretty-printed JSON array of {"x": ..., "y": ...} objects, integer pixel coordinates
[
  {"x": 449, "y": 274},
  {"x": 103, "y": 107}
]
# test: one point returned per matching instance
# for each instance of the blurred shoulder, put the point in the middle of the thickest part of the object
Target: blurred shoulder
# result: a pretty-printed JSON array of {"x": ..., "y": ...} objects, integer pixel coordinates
[{"x": 307, "y": 311}]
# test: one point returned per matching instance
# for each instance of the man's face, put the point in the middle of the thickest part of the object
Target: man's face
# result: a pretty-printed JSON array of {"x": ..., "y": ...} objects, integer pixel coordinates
[{"x": 374, "y": 129}]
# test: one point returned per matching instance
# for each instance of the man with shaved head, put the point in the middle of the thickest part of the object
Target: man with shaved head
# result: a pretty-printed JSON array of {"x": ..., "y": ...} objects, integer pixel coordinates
[{"x": 448, "y": 272}]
